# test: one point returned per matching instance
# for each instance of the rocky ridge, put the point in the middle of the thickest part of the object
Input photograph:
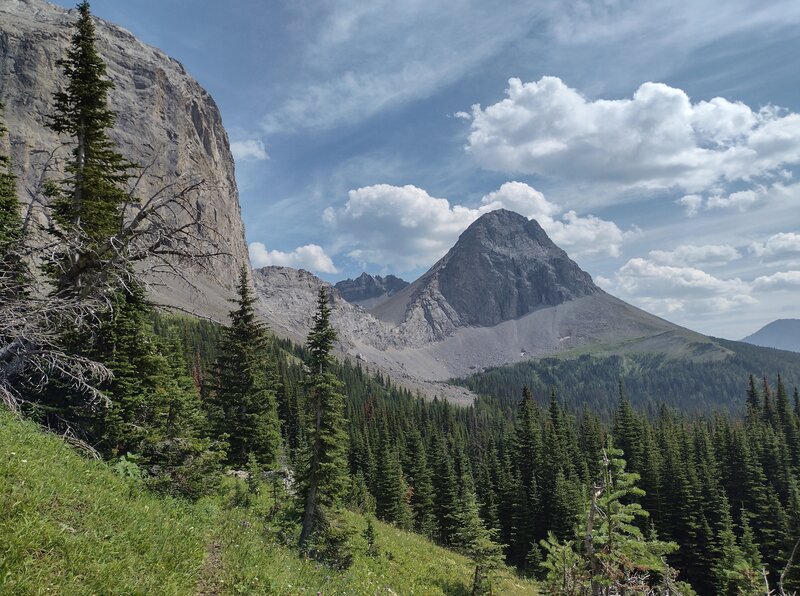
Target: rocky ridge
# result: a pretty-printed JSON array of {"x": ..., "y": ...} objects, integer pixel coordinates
[
  {"x": 368, "y": 291},
  {"x": 165, "y": 119}
]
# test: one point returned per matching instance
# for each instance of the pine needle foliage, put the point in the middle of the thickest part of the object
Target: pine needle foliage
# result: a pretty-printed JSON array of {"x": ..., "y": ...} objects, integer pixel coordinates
[{"x": 243, "y": 404}]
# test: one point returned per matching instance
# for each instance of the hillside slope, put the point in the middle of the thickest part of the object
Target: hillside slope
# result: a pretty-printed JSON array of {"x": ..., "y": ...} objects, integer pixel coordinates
[
  {"x": 782, "y": 334},
  {"x": 86, "y": 530}
]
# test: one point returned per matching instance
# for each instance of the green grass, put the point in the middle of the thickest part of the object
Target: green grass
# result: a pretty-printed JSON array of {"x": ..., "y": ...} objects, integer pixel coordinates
[{"x": 72, "y": 526}]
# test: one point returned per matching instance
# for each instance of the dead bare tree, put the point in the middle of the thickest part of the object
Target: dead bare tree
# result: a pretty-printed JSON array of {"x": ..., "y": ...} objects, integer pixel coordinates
[{"x": 165, "y": 235}]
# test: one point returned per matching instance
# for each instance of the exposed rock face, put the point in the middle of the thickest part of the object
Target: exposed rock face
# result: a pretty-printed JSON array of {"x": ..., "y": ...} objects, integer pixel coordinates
[
  {"x": 288, "y": 301},
  {"x": 503, "y": 267},
  {"x": 370, "y": 290},
  {"x": 164, "y": 117}
]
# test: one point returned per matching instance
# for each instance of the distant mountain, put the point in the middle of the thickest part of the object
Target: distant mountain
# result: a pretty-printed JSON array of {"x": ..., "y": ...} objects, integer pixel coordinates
[
  {"x": 783, "y": 334},
  {"x": 368, "y": 291},
  {"x": 504, "y": 293}
]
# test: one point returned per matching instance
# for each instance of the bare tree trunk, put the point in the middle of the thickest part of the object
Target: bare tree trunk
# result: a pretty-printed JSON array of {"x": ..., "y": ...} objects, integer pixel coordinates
[
  {"x": 311, "y": 496},
  {"x": 588, "y": 540},
  {"x": 786, "y": 569}
]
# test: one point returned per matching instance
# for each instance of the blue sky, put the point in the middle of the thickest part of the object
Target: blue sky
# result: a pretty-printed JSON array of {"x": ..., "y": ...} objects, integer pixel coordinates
[{"x": 657, "y": 142}]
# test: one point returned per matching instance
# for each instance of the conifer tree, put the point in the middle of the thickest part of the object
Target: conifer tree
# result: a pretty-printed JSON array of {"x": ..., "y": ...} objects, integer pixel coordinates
[
  {"x": 753, "y": 403},
  {"x": 390, "y": 486},
  {"x": 528, "y": 454},
  {"x": 324, "y": 475},
  {"x": 243, "y": 404},
  {"x": 446, "y": 502},
  {"x": 422, "y": 491},
  {"x": 477, "y": 542},
  {"x": 12, "y": 270},
  {"x": 738, "y": 570},
  {"x": 86, "y": 204},
  {"x": 614, "y": 557}
]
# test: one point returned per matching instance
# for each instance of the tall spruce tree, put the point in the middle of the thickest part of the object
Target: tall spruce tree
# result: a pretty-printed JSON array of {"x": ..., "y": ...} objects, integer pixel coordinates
[
  {"x": 422, "y": 490},
  {"x": 390, "y": 485},
  {"x": 86, "y": 203},
  {"x": 243, "y": 403},
  {"x": 324, "y": 477}
]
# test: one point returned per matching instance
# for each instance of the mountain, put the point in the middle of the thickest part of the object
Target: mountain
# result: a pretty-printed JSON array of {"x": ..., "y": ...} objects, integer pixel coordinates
[
  {"x": 503, "y": 267},
  {"x": 782, "y": 334},
  {"x": 165, "y": 118},
  {"x": 504, "y": 293},
  {"x": 368, "y": 291}
]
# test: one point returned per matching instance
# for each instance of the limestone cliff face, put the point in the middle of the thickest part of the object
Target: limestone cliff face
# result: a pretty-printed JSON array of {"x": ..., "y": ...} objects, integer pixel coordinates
[{"x": 163, "y": 116}]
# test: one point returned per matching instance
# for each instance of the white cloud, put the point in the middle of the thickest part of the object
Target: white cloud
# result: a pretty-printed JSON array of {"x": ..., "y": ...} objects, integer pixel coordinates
[
  {"x": 692, "y": 254},
  {"x": 778, "y": 247},
  {"x": 658, "y": 139},
  {"x": 406, "y": 228},
  {"x": 783, "y": 280},
  {"x": 691, "y": 203},
  {"x": 311, "y": 257},
  {"x": 741, "y": 200},
  {"x": 666, "y": 289},
  {"x": 249, "y": 150}
]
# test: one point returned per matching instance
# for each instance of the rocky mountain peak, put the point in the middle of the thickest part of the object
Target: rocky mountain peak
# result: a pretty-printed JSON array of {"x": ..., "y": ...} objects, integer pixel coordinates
[
  {"x": 368, "y": 290},
  {"x": 503, "y": 267},
  {"x": 502, "y": 230}
]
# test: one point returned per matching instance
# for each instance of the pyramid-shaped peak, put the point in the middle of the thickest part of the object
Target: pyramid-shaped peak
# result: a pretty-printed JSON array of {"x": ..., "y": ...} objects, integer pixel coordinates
[{"x": 505, "y": 266}]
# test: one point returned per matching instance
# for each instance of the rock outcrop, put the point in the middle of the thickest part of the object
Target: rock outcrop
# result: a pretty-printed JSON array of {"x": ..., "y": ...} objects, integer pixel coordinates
[
  {"x": 165, "y": 119},
  {"x": 368, "y": 291}
]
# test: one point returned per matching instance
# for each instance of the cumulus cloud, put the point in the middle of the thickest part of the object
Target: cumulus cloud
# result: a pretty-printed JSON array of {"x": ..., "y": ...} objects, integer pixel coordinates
[
  {"x": 670, "y": 282},
  {"x": 778, "y": 247},
  {"x": 311, "y": 257},
  {"x": 404, "y": 227},
  {"x": 666, "y": 289},
  {"x": 657, "y": 139},
  {"x": 249, "y": 150},
  {"x": 693, "y": 254},
  {"x": 783, "y": 280}
]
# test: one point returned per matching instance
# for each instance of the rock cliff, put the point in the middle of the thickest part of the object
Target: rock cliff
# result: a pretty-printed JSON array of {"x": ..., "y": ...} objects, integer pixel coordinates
[
  {"x": 165, "y": 118},
  {"x": 368, "y": 290}
]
